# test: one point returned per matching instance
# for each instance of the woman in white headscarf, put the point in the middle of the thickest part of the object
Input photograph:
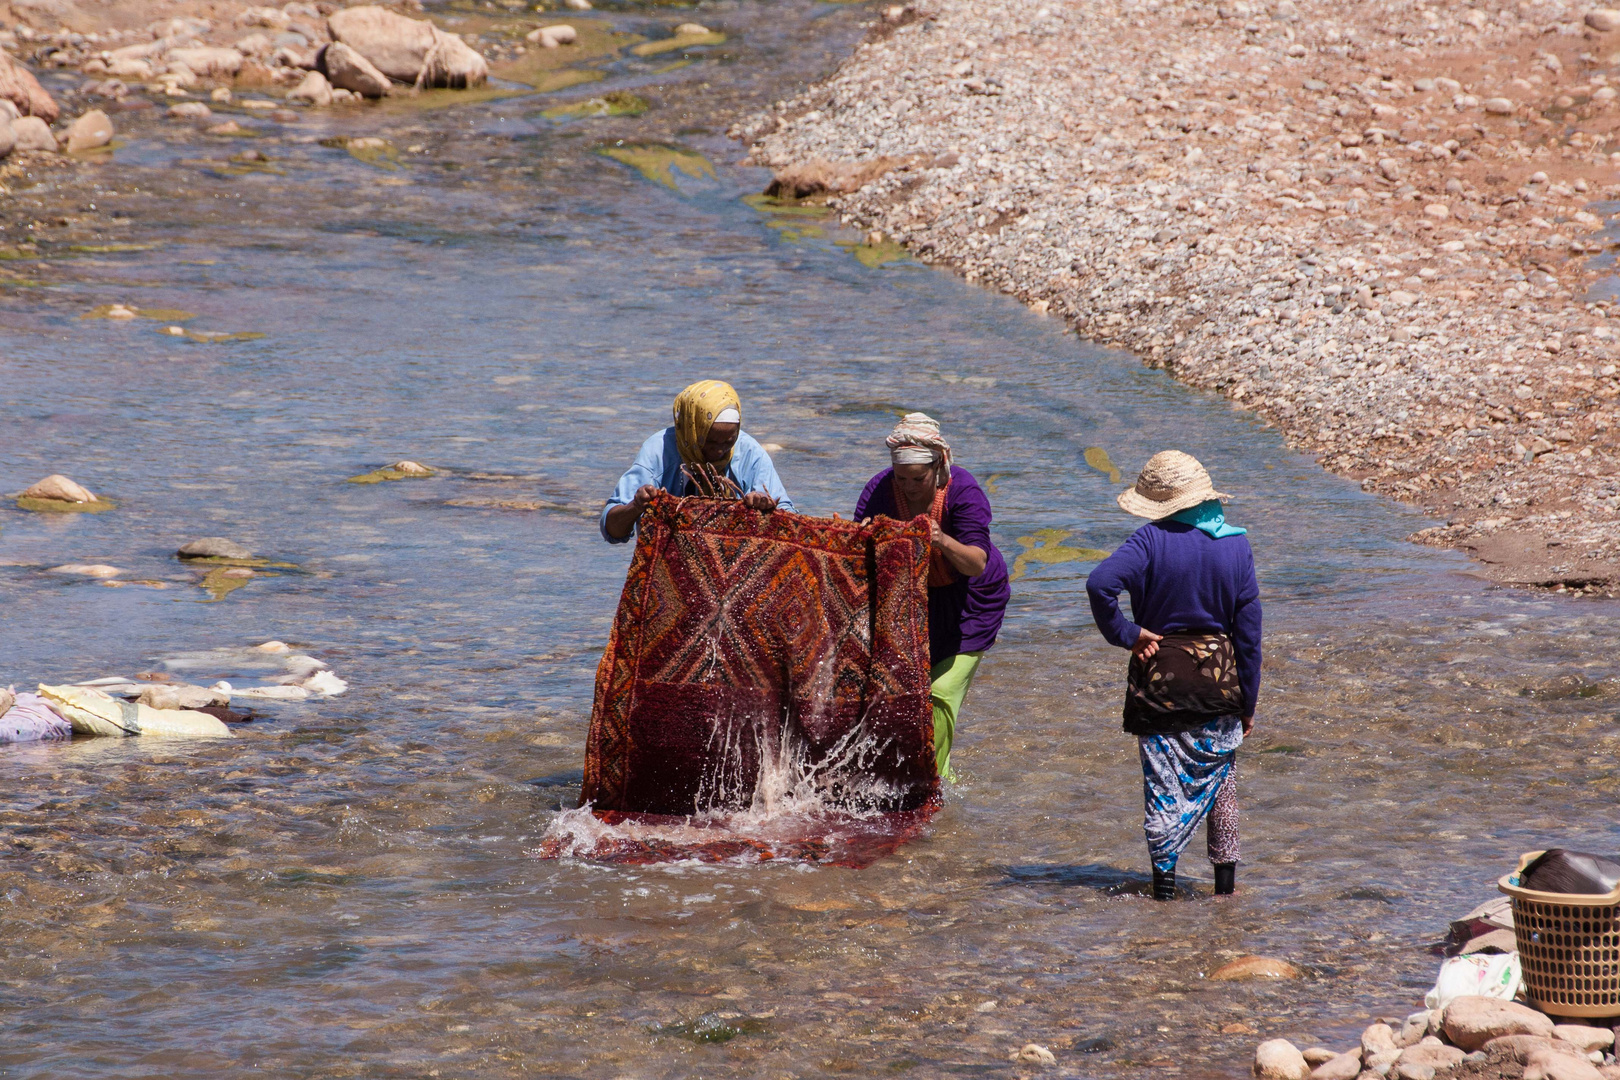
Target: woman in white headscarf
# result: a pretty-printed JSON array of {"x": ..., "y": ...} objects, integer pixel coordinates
[{"x": 967, "y": 577}]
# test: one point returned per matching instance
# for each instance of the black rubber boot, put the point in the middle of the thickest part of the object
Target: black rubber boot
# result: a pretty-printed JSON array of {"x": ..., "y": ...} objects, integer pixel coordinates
[
  {"x": 1225, "y": 878},
  {"x": 1164, "y": 884}
]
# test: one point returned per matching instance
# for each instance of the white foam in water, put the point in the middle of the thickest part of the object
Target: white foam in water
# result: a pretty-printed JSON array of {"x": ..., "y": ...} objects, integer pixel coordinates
[{"x": 793, "y": 798}]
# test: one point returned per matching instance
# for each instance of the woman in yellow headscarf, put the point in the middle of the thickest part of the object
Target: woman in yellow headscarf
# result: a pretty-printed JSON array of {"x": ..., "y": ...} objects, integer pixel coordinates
[{"x": 704, "y": 452}]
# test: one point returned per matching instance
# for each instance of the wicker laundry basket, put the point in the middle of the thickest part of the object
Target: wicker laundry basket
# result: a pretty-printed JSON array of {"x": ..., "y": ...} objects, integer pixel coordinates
[{"x": 1569, "y": 947}]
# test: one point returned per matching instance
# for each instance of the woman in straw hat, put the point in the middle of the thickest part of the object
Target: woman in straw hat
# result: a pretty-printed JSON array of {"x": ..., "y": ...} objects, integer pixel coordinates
[
  {"x": 704, "y": 452},
  {"x": 1195, "y": 658},
  {"x": 967, "y": 578}
]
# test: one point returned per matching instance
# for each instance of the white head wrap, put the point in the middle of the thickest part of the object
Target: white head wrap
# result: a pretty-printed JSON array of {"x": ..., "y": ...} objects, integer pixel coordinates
[
  {"x": 728, "y": 416},
  {"x": 916, "y": 440}
]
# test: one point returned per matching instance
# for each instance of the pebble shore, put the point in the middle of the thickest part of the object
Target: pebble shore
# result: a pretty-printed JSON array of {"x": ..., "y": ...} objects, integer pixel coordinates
[{"x": 1379, "y": 225}]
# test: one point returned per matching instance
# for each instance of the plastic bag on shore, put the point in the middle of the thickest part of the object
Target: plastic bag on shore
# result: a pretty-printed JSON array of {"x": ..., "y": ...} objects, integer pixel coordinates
[
  {"x": 1494, "y": 975},
  {"x": 31, "y": 719},
  {"x": 1559, "y": 870},
  {"x": 95, "y": 713}
]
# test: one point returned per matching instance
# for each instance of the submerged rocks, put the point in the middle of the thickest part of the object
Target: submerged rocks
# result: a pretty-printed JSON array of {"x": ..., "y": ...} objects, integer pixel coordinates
[
  {"x": 408, "y": 50},
  {"x": 90, "y": 570},
  {"x": 1033, "y": 1054},
  {"x": 1255, "y": 967},
  {"x": 1472, "y": 1021},
  {"x": 91, "y": 131},
  {"x": 18, "y": 86},
  {"x": 1279, "y": 1059},
  {"x": 214, "y": 547},
  {"x": 346, "y": 69},
  {"x": 190, "y": 110},
  {"x": 406, "y": 467},
  {"x": 58, "y": 488}
]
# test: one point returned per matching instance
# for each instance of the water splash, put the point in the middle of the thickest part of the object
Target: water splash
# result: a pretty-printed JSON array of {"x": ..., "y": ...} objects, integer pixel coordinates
[{"x": 768, "y": 795}]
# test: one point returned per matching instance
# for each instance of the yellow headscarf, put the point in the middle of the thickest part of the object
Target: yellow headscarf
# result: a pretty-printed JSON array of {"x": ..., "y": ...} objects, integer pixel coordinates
[{"x": 695, "y": 410}]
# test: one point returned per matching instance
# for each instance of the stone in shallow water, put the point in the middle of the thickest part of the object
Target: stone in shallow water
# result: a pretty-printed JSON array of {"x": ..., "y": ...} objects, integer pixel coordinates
[
  {"x": 59, "y": 488},
  {"x": 89, "y": 132},
  {"x": 95, "y": 570},
  {"x": 1033, "y": 1054},
  {"x": 1255, "y": 967},
  {"x": 214, "y": 547}
]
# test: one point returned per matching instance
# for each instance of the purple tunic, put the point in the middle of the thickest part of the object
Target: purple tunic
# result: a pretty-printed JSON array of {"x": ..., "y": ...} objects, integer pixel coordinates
[
  {"x": 964, "y": 616},
  {"x": 1181, "y": 579}
]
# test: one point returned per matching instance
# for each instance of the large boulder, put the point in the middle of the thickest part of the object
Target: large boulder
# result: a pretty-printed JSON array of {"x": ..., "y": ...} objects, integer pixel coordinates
[
  {"x": 346, "y": 69},
  {"x": 1279, "y": 1059},
  {"x": 408, "y": 50},
  {"x": 207, "y": 61},
  {"x": 33, "y": 133},
  {"x": 1473, "y": 1021},
  {"x": 18, "y": 86},
  {"x": 8, "y": 137},
  {"x": 59, "y": 488},
  {"x": 89, "y": 131}
]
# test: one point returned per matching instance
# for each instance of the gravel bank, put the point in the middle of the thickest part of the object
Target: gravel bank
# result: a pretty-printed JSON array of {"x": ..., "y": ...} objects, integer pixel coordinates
[{"x": 1377, "y": 225}]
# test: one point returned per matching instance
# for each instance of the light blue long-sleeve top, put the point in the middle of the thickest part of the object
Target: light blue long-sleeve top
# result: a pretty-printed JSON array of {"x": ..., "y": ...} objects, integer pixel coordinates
[{"x": 659, "y": 463}]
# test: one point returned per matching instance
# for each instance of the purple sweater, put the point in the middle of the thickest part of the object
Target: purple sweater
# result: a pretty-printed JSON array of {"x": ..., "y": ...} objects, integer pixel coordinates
[
  {"x": 964, "y": 616},
  {"x": 1182, "y": 579}
]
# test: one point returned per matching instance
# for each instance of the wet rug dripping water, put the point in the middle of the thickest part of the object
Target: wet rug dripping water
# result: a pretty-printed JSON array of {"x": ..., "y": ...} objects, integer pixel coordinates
[{"x": 764, "y": 693}]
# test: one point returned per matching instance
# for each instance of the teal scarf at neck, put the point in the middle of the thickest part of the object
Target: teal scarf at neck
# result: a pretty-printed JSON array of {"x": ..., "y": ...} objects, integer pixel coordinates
[{"x": 1208, "y": 517}]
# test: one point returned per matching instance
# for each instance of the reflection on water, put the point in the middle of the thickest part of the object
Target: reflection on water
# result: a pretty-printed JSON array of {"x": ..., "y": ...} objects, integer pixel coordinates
[{"x": 351, "y": 887}]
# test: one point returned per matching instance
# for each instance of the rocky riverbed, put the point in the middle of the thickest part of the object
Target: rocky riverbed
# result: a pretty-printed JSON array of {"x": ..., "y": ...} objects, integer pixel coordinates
[{"x": 1380, "y": 226}]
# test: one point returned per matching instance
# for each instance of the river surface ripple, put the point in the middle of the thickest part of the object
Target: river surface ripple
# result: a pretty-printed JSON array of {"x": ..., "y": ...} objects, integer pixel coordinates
[{"x": 349, "y": 888}]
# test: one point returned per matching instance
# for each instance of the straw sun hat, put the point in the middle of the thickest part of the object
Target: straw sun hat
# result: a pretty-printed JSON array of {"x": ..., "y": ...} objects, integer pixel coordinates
[{"x": 1170, "y": 483}]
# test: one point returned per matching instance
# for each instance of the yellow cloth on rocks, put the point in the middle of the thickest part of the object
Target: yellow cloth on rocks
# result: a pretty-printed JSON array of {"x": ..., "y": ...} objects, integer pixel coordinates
[{"x": 695, "y": 410}]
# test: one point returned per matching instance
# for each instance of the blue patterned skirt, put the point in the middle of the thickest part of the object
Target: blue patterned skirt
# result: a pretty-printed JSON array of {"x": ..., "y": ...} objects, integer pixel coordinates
[{"x": 1181, "y": 775}]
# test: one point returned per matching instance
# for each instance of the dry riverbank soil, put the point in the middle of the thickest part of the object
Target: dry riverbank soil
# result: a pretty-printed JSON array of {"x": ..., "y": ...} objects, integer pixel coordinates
[{"x": 1380, "y": 226}]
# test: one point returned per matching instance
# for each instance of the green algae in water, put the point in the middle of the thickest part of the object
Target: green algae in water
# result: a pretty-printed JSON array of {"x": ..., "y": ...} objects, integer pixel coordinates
[
  {"x": 213, "y": 337},
  {"x": 553, "y": 69},
  {"x": 105, "y": 311},
  {"x": 711, "y": 1028},
  {"x": 658, "y": 163},
  {"x": 875, "y": 255},
  {"x": 369, "y": 149},
  {"x": 680, "y": 41},
  {"x": 379, "y": 476},
  {"x": 676, "y": 66},
  {"x": 1046, "y": 548},
  {"x": 108, "y": 249},
  {"x": 1098, "y": 459},
  {"x": 429, "y": 100},
  {"x": 794, "y": 230},
  {"x": 868, "y": 408},
  {"x": 770, "y": 204},
  {"x": 612, "y": 103},
  {"x": 60, "y": 506}
]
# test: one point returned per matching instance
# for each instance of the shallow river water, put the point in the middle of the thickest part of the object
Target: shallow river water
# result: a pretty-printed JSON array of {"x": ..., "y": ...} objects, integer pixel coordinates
[{"x": 350, "y": 887}]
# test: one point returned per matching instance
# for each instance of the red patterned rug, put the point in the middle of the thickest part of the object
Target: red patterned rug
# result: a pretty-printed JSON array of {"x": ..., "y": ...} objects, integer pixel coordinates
[{"x": 771, "y": 666}]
